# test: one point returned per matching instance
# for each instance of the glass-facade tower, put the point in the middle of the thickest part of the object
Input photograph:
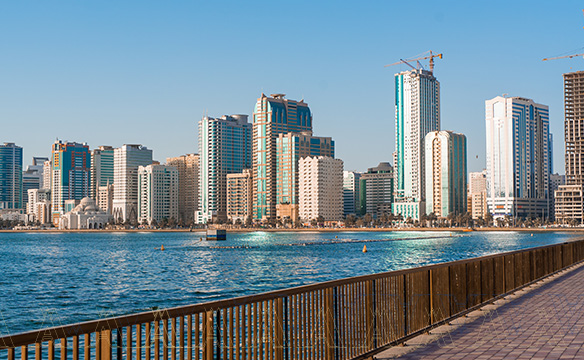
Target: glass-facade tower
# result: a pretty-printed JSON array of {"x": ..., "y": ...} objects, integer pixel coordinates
[
  {"x": 224, "y": 148},
  {"x": 417, "y": 112},
  {"x": 272, "y": 116},
  {"x": 10, "y": 176},
  {"x": 517, "y": 132}
]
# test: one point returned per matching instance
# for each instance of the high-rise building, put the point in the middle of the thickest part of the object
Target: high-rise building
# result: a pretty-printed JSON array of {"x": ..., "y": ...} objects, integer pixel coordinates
[
  {"x": 517, "y": 157},
  {"x": 321, "y": 188},
  {"x": 569, "y": 202},
  {"x": 32, "y": 177},
  {"x": 224, "y": 148},
  {"x": 127, "y": 159},
  {"x": 417, "y": 112},
  {"x": 157, "y": 193},
  {"x": 477, "y": 193},
  {"x": 71, "y": 165},
  {"x": 445, "y": 156},
  {"x": 102, "y": 169},
  {"x": 290, "y": 147},
  {"x": 351, "y": 203},
  {"x": 272, "y": 116},
  {"x": 188, "y": 185},
  {"x": 47, "y": 175},
  {"x": 239, "y": 196},
  {"x": 376, "y": 190},
  {"x": 10, "y": 176},
  {"x": 556, "y": 180}
]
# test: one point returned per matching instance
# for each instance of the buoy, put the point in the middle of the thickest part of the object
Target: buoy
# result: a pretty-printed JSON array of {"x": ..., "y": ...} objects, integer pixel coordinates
[
  {"x": 531, "y": 234},
  {"x": 364, "y": 248},
  {"x": 162, "y": 247},
  {"x": 337, "y": 236}
]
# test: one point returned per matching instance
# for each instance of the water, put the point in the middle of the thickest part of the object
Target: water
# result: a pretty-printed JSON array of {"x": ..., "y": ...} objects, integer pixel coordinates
[{"x": 51, "y": 279}]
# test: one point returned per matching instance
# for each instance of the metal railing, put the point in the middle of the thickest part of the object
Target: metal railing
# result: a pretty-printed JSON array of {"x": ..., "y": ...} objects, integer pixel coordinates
[{"x": 339, "y": 319}]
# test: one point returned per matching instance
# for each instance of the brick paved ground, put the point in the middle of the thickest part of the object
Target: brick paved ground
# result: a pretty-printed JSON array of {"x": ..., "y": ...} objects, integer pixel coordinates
[{"x": 545, "y": 322}]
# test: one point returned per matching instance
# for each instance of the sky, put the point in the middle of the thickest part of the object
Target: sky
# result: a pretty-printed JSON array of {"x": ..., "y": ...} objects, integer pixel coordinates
[{"x": 145, "y": 72}]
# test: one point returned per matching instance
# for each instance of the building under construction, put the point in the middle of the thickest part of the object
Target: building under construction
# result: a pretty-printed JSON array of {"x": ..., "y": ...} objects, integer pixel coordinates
[{"x": 568, "y": 198}]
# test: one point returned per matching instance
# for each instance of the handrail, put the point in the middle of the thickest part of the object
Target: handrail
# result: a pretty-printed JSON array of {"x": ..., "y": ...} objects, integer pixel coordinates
[{"x": 281, "y": 318}]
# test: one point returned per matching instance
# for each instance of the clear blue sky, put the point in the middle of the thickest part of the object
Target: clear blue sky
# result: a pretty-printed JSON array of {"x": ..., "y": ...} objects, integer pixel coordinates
[{"x": 115, "y": 72}]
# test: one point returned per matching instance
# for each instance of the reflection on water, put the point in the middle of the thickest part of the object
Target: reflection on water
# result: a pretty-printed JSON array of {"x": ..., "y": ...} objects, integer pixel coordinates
[{"x": 80, "y": 276}]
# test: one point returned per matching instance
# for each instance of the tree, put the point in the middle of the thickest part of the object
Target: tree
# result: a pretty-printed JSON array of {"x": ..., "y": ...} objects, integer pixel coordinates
[
  {"x": 367, "y": 218},
  {"x": 248, "y": 221},
  {"x": 350, "y": 220},
  {"x": 489, "y": 219},
  {"x": 320, "y": 220}
]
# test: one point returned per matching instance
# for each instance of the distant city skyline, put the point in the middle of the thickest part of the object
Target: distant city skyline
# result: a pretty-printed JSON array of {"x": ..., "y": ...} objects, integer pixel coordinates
[{"x": 114, "y": 74}]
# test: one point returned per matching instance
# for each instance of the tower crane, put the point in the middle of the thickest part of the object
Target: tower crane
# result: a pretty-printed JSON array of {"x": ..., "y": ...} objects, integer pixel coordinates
[
  {"x": 430, "y": 56},
  {"x": 562, "y": 57}
]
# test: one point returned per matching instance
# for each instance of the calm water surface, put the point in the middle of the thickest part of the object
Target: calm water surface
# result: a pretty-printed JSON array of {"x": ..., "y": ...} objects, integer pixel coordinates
[{"x": 52, "y": 279}]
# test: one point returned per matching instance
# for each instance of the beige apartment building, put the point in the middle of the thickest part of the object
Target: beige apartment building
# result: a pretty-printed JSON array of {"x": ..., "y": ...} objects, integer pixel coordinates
[
  {"x": 105, "y": 198},
  {"x": 321, "y": 188},
  {"x": 188, "y": 185},
  {"x": 477, "y": 194},
  {"x": 239, "y": 196}
]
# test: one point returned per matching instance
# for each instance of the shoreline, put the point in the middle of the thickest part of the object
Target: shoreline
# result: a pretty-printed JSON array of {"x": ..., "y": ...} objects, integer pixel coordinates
[{"x": 323, "y": 230}]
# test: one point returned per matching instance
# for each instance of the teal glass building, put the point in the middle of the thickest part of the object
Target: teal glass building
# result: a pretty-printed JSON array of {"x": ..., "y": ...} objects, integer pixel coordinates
[{"x": 10, "y": 176}]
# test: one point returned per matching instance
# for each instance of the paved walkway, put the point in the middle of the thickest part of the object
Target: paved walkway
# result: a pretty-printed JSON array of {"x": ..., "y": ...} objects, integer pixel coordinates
[{"x": 545, "y": 321}]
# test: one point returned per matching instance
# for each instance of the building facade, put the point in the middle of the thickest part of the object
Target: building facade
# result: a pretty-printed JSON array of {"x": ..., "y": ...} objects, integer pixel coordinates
[
  {"x": 376, "y": 190},
  {"x": 417, "y": 112},
  {"x": 239, "y": 196},
  {"x": 188, "y": 185},
  {"x": 127, "y": 159},
  {"x": 272, "y": 116},
  {"x": 32, "y": 177},
  {"x": 517, "y": 157},
  {"x": 290, "y": 147},
  {"x": 556, "y": 180},
  {"x": 39, "y": 205},
  {"x": 446, "y": 182},
  {"x": 225, "y": 147},
  {"x": 71, "y": 180},
  {"x": 321, "y": 188},
  {"x": 569, "y": 204},
  {"x": 351, "y": 203},
  {"x": 105, "y": 198},
  {"x": 102, "y": 169},
  {"x": 10, "y": 176},
  {"x": 477, "y": 193},
  {"x": 157, "y": 193}
]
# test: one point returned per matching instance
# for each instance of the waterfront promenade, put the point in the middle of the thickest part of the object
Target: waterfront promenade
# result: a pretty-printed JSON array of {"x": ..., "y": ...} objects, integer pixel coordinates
[{"x": 542, "y": 321}]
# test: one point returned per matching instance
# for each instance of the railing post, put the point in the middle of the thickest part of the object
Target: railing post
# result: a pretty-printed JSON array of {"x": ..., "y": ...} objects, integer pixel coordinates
[
  {"x": 208, "y": 327},
  {"x": 279, "y": 327},
  {"x": 368, "y": 315},
  {"x": 329, "y": 325},
  {"x": 106, "y": 344}
]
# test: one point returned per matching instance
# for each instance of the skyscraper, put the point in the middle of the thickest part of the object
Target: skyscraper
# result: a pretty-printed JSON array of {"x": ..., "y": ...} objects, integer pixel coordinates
[
  {"x": 351, "y": 204},
  {"x": 127, "y": 159},
  {"x": 71, "y": 164},
  {"x": 417, "y": 112},
  {"x": 569, "y": 198},
  {"x": 290, "y": 148},
  {"x": 272, "y": 116},
  {"x": 445, "y": 156},
  {"x": 517, "y": 157},
  {"x": 188, "y": 188},
  {"x": 102, "y": 169},
  {"x": 32, "y": 177},
  {"x": 224, "y": 148},
  {"x": 157, "y": 193},
  {"x": 10, "y": 176}
]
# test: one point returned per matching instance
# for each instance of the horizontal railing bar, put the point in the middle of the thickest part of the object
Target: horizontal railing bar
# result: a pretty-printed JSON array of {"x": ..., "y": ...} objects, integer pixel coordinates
[{"x": 65, "y": 331}]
